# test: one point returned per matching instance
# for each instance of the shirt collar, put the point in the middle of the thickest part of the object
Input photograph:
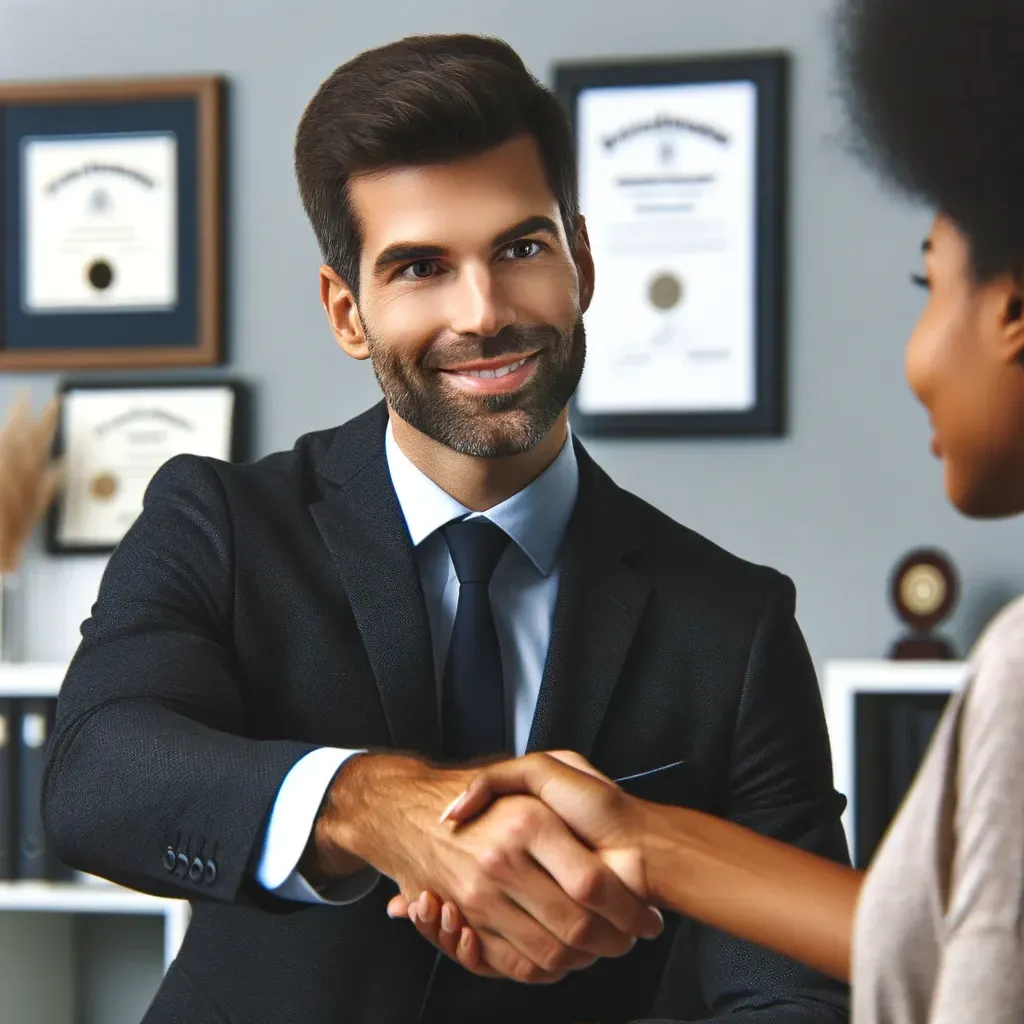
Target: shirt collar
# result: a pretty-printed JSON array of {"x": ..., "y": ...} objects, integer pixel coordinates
[{"x": 536, "y": 518}]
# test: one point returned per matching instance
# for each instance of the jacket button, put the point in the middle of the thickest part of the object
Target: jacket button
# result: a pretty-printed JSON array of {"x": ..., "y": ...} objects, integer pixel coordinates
[
  {"x": 211, "y": 872},
  {"x": 170, "y": 859},
  {"x": 195, "y": 872},
  {"x": 183, "y": 861}
]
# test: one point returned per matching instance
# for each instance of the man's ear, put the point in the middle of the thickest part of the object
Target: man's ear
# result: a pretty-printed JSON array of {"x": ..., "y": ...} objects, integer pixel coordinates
[
  {"x": 1012, "y": 319},
  {"x": 584, "y": 265},
  {"x": 342, "y": 311}
]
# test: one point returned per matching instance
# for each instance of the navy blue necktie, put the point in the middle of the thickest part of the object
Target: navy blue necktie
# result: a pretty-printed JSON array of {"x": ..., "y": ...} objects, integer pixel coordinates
[{"x": 473, "y": 702}]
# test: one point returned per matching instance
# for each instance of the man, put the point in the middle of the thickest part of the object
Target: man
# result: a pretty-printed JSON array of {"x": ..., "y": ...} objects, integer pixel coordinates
[{"x": 291, "y": 663}]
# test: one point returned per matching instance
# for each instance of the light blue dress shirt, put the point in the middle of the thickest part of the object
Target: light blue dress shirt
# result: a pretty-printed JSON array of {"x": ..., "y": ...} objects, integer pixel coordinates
[{"x": 523, "y": 592}]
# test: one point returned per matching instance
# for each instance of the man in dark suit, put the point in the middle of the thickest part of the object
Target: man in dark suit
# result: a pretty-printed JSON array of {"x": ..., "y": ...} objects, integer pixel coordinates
[{"x": 292, "y": 664}]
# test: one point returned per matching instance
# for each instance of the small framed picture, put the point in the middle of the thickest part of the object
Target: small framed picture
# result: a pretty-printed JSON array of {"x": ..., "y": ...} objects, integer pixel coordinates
[
  {"x": 682, "y": 182},
  {"x": 881, "y": 718},
  {"x": 111, "y": 204},
  {"x": 114, "y": 437}
]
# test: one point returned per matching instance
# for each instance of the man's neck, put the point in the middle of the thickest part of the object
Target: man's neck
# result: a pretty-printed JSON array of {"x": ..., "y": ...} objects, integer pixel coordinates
[{"x": 478, "y": 483}]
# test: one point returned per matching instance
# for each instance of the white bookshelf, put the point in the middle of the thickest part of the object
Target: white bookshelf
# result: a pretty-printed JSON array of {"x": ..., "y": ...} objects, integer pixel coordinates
[
  {"x": 844, "y": 680},
  {"x": 60, "y": 945}
]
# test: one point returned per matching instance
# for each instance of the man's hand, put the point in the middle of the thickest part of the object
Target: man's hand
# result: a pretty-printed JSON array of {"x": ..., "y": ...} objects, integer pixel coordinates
[
  {"x": 590, "y": 803},
  {"x": 541, "y": 903}
]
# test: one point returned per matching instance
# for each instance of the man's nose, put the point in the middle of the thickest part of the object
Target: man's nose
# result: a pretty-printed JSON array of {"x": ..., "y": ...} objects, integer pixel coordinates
[{"x": 479, "y": 305}]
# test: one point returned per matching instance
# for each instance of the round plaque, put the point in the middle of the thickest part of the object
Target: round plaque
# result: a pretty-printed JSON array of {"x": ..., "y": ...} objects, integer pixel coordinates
[
  {"x": 924, "y": 588},
  {"x": 100, "y": 274}
]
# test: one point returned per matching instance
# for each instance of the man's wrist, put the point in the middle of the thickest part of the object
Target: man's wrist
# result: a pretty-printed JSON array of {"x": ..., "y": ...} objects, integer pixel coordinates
[
  {"x": 326, "y": 857},
  {"x": 371, "y": 797}
]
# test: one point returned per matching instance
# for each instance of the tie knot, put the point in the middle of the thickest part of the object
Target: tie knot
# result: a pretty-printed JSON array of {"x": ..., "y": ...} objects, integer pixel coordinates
[{"x": 476, "y": 545}]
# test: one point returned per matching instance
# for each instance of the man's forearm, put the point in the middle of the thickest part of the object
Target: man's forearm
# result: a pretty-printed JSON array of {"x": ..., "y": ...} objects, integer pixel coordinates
[{"x": 754, "y": 887}]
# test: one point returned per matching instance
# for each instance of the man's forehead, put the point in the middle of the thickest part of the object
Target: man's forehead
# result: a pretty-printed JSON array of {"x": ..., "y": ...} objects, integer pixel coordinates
[{"x": 473, "y": 196}]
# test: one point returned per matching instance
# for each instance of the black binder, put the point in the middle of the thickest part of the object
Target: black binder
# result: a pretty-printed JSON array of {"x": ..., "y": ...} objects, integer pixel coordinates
[
  {"x": 35, "y": 722},
  {"x": 8, "y": 812}
]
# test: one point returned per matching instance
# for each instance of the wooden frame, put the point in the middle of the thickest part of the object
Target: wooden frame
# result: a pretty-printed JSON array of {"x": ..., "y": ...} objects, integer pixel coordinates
[
  {"x": 768, "y": 72},
  {"x": 201, "y": 270}
]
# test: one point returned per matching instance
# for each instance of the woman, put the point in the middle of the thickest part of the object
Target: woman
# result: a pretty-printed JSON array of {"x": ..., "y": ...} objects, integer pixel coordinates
[{"x": 935, "y": 932}]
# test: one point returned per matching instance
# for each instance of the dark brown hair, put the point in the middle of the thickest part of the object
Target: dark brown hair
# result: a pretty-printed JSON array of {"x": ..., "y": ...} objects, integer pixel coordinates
[{"x": 422, "y": 100}]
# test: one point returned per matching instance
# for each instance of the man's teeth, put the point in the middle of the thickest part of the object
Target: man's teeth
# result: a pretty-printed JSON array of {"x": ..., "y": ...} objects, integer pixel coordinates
[{"x": 500, "y": 372}]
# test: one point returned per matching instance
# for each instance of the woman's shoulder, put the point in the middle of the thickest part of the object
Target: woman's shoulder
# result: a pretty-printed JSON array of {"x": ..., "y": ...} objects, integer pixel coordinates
[
  {"x": 995, "y": 681},
  {"x": 1003, "y": 637}
]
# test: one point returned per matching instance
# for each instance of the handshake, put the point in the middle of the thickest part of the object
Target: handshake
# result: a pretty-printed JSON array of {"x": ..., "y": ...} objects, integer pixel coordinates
[{"x": 534, "y": 868}]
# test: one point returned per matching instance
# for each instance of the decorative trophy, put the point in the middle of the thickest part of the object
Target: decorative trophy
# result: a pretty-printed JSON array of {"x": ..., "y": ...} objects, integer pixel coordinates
[
  {"x": 924, "y": 589},
  {"x": 28, "y": 483}
]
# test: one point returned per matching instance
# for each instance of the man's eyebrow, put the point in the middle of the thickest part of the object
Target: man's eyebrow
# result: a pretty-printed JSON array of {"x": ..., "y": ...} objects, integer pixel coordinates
[
  {"x": 406, "y": 252},
  {"x": 412, "y": 252},
  {"x": 531, "y": 226}
]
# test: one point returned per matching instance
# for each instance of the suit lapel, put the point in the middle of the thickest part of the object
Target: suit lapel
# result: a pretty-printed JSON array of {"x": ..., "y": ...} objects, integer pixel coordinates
[
  {"x": 362, "y": 525},
  {"x": 600, "y": 601}
]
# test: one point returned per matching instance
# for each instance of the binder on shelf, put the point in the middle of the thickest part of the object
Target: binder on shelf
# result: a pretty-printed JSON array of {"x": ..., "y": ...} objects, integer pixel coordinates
[
  {"x": 8, "y": 812},
  {"x": 35, "y": 858}
]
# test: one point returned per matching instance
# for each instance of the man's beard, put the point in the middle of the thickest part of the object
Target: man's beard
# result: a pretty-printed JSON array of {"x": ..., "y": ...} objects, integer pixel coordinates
[{"x": 484, "y": 426}]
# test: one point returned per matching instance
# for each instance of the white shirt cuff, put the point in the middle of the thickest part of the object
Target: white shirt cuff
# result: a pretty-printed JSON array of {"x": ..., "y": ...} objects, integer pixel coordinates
[{"x": 288, "y": 830}]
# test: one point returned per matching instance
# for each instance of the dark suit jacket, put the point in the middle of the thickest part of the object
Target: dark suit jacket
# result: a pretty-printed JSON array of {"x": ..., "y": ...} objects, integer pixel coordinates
[{"x": 255, "y": 612}]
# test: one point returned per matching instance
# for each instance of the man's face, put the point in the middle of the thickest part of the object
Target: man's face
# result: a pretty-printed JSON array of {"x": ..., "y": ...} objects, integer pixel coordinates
[{"x": 471, "y": 300}]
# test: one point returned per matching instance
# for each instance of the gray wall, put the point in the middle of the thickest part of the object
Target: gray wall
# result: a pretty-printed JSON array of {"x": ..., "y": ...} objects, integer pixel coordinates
[{"x": 834, "y": 504}]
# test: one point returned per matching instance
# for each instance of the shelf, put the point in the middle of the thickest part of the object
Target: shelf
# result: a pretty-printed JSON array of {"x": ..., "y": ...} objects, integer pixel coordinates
[
  {"x": 31, "y": 679},
  {"x": 78, "y": 898}
]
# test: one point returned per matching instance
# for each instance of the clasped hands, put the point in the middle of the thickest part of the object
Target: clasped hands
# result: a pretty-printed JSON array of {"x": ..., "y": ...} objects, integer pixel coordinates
[{"x": 602, "y": 906}]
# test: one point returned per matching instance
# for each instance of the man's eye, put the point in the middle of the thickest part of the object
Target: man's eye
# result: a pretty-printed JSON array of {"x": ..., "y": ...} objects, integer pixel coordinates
[
  {"x": 524, "y": 249},
  {"x": 420, "y": 269}
]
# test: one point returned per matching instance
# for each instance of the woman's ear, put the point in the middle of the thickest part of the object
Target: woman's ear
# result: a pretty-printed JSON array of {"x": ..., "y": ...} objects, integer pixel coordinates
[{"x": 339, "y": 304}]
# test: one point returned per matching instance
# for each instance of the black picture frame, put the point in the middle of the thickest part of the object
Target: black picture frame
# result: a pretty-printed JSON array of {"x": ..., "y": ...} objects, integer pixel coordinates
[
  {"x": 892, "y": 731},
  {"x": 769, "y": 72},
  {"x": 190, "y": 332},
  {"x": 240, "y": 445}
]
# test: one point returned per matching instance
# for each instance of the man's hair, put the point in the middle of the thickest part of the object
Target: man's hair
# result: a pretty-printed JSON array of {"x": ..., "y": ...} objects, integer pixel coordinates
[
  {"x": 422, "y": 100},
  {"x": 935, "y": 91}
]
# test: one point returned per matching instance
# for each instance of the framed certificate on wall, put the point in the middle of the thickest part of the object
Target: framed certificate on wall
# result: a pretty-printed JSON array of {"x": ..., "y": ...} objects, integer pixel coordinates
[
  {"x": 682, "y": 184},
  {"x": 112, "y": 439},
  {"x": 111, "y": 206}
]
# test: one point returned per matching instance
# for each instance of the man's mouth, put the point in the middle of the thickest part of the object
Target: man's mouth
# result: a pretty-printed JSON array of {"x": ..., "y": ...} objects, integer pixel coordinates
[
  {"x": 493, "y": 375},
  {"x": 499, "y": 371}
]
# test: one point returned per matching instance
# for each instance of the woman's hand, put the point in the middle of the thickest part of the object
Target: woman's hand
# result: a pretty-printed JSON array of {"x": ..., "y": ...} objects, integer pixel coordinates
[{"x": 600, "y": 813}]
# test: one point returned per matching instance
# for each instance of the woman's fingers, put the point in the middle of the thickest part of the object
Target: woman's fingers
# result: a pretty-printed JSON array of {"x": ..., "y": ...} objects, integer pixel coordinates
[{"x": 591, "y": 805}]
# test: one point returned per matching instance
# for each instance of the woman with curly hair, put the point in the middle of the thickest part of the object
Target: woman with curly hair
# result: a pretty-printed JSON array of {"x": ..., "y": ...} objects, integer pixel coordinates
[{"x": 934, "y": 932}]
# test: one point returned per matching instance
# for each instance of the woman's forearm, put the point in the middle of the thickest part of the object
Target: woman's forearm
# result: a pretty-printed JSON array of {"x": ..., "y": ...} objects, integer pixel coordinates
[{"x": 753, "y": 887}]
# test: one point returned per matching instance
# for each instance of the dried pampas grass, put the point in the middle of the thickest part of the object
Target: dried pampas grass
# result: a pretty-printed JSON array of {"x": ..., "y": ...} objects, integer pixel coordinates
[{"x": 29, "y": 478}]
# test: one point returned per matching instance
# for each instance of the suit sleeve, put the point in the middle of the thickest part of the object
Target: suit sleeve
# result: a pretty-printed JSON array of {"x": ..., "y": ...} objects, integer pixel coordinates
[
  {"x": 780, "y": 785},
  {"x": 149, "y": 772}
]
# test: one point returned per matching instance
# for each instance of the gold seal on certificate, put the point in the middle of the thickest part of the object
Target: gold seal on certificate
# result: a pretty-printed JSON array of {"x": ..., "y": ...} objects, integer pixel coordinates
[
  {"x": 114, "y": 438},
  {"x": 101, "y": 223},
  {"x": 666, "y": 291},
  {"x": 103, "y": 486}
]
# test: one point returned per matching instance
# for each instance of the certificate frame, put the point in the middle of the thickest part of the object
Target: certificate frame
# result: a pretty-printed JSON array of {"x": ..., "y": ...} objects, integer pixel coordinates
[
  {"x": 236, "y": 449},
  {"x": 187, "y": 329},
  {"x": 769, "y": 73}
]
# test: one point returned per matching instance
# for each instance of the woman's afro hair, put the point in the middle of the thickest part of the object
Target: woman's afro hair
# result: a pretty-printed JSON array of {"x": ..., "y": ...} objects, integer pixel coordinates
[{"x": 934, "y": 90}]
